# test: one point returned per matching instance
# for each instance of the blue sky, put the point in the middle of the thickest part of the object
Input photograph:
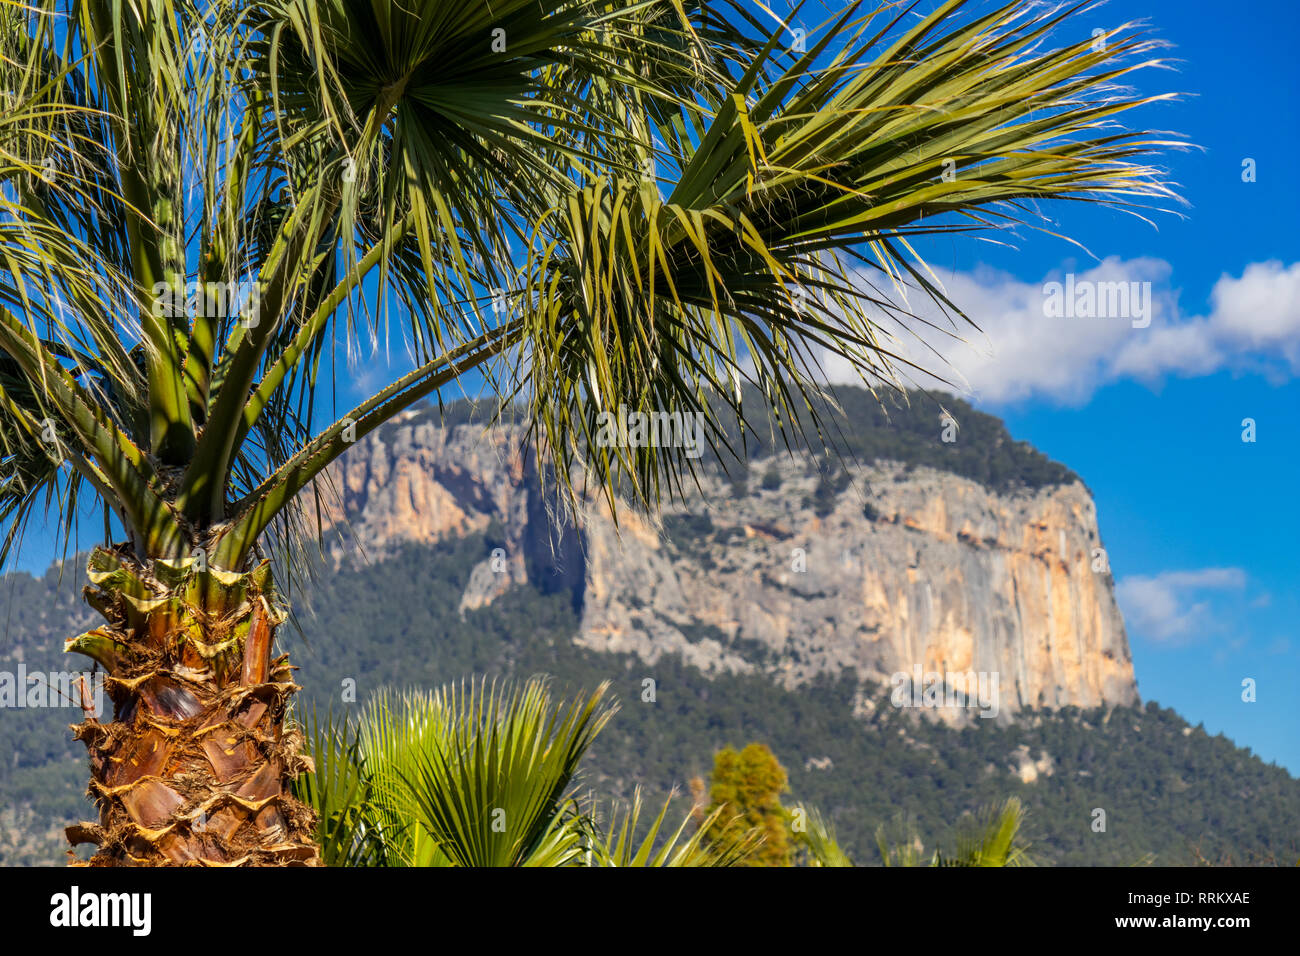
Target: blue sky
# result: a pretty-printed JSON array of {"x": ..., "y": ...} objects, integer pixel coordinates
[{"x": 1201, "y": 528}]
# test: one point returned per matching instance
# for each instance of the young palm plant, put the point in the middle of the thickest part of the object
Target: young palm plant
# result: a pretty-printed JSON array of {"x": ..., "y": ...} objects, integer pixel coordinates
[
  {"x": 481, "y": 775},
  {"x": 201, "y": 202},
  {"x": 990, "y": 837}
]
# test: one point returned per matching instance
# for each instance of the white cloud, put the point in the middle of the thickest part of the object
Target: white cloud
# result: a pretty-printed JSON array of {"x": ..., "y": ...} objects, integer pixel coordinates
[
  {"x": 1020, "y": 353},
  {"x": 1173, "y": 604}
]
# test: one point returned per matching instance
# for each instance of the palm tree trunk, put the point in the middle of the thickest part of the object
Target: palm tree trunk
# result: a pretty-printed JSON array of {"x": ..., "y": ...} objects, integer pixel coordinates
[{"x": 195, "y": 766}]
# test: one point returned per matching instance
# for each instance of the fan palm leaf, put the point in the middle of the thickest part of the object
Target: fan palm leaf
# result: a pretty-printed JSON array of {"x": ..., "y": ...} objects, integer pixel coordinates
[
  {"x": 494, "y": 791},
  {"x": 479, "y": 774}
]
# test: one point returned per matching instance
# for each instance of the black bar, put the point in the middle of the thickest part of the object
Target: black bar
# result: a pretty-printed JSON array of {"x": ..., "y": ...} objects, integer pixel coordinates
[{"x": 315, "y": 906}]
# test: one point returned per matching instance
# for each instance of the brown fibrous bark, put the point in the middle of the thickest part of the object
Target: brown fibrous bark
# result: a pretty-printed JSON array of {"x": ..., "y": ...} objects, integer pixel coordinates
[{"x": 195, "y": 767}]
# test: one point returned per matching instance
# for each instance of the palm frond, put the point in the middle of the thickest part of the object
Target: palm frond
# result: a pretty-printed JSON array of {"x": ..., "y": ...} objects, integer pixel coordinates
[
  {"x": 494, "y": 791},
  {"x": 619, "y": 846},
  {"x": 899, "y": 843},
  {"x": 823, "y": 847},
  {"x": 788, "y": 235},
  {"x": 341, "y": 789},
  {"x": 393, "y": 729},
  {"x": 990, "y": 837}
]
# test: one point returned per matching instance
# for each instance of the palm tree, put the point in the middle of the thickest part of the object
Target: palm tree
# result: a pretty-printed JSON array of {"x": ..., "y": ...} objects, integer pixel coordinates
[{"x": 589, "y": 204}]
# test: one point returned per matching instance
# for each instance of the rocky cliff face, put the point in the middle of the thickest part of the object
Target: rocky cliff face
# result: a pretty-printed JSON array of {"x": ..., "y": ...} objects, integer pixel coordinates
[{"x": 900, "y": 574}]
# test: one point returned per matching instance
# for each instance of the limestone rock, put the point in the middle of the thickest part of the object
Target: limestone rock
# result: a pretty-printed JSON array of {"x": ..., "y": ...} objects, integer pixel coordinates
[{"x": 906, "y": 569}]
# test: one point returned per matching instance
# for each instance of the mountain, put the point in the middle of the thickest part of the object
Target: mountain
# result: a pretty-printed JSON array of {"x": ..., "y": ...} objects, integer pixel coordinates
[
  {"x": 973, "y": 555},
  {"x": 824, "y": 566}
]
